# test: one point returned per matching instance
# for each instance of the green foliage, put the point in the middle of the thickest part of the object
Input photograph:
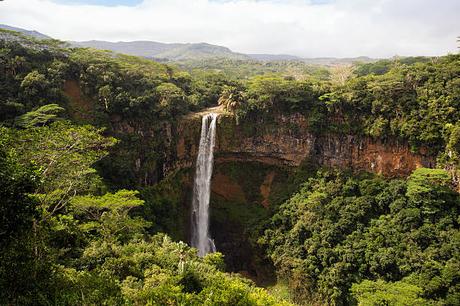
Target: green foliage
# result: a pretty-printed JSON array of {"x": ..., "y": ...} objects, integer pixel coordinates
[
  {"x": 164, "y": 206},
  {"x": 65, "y": 154},
  {"x": 108, "y": 215},
  {"x": 172, "y": 98},
  {"x": 271, "y": 93},
  {"x": 339, "y": 230},
  {"x": 231, "y": 98},
  {"x": 215, "y": 259},
  {"x": 22, "y": 275},
  {"x": 450, "y": 158},
  {"x": 39, "y": 117},
  {"x": 17, "y": 182},
  {"x": 33, "y": 75},
  {"x": 32, "y": 87},
  {"x": 424, "y": 181},
  {"x": 154, "y": 272},
  {"x": 242, "y": 69},
  {"x": 407, "y": 102},
  {"x": 383, "y": 66},
  {"x": 25, "y": 81},
  {"x": 370, "y": 293}
]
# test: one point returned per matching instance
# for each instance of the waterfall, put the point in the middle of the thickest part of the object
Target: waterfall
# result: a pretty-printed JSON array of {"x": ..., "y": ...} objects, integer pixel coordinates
[{"x": 202, "y": 187}]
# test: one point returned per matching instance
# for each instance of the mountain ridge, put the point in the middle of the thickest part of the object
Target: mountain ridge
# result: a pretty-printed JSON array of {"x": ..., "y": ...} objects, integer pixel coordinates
[
  {"x": 177, "y": 52},
  {"x": 31, "y": 33},
  {"x": 168, "y": 51}
]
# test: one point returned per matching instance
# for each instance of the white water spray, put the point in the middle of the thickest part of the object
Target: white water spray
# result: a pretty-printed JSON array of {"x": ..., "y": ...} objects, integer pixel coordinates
[{"x": 202, "y": 187}]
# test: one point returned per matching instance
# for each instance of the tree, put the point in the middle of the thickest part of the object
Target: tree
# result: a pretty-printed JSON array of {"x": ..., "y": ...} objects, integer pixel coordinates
[
  {"x": 65, "y": 154},
  {"x": 33, "y": 89},
  {"x": 428, "y": 190},
  {"x": 373, "y": 293},
  {"x": 108, "y": 215},
  {"x": 40, "y": 117},
  {"x": 340, "y": 73},
  {"x": 22, "y": 276},
  {"x": 231, "y": 98},
  {"x": 18, "y": 207},
  {"x": 172, "y": 99}
]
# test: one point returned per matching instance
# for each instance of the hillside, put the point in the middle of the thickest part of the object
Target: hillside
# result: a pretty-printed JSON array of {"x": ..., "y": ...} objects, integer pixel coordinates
[
  {"x": 274, "y": 57},
  {"x": 171, "y": 52},
  {"x": 29, "y": 33},
  {"x": 180, "y": 52}
]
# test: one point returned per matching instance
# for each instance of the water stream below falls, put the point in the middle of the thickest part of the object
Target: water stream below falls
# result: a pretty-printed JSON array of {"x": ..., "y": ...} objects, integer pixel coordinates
[{"x": 201, "y": 239}]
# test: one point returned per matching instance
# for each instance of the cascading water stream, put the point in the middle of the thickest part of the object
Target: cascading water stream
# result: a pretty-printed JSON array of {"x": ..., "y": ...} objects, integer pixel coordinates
[{"x": 202, "y": 187}]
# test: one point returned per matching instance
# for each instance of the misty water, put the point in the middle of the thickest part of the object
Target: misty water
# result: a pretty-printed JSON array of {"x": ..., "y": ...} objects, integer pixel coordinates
[{"x": 202, "y": 187}]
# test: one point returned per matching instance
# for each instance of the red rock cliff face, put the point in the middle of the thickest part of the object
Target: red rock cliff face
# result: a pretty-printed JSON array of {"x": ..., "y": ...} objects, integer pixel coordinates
[{"x": 288, "y": 141}]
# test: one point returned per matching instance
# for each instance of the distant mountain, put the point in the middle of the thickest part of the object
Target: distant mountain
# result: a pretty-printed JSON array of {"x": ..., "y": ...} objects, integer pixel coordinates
[
  {"x": 274, "y": 57},
  {"x": 195, "y": 52},
  {"x": 139, "y": 48},
  {"x": 203, "y": 51},
  {"x": 172, "y": 52},
  {"x": 331, "y": 61},
  {"x": 33, "y": 34}
]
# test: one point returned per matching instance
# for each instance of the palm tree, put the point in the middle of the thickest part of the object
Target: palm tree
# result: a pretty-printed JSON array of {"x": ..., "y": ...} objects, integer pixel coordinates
[
  {"x": 16, "y": 64},
  {"x": 231, "y": 98}
]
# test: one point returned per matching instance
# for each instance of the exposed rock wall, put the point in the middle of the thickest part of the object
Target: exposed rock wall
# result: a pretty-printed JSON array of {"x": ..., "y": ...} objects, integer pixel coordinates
[{"x": 287, "y": 140}]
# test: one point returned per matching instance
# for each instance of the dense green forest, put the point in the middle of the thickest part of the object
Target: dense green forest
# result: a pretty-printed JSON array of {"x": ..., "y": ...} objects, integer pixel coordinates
[
  {"x": 343, "y": 238},
  {"x": 81, "y": 225}
]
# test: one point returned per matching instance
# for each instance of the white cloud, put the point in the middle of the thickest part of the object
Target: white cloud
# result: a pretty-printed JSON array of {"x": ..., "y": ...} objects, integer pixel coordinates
[{"x": 379, "y": 28}]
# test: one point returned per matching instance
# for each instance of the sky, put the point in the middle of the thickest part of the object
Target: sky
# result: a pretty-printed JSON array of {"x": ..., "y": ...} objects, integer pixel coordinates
[{"x": 307, "y": 28}]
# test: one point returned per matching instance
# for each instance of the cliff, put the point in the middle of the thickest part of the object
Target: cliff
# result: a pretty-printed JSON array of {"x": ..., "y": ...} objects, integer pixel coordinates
[{"x": 287, "y": 141}]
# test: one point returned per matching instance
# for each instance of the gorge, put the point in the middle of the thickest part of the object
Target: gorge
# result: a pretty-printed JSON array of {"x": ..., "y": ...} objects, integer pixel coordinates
[{"x": 258, "y": 162}]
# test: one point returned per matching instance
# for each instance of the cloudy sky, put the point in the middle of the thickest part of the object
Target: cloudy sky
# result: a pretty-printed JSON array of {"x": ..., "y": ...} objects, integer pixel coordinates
[{"x": 309, "y": 28}]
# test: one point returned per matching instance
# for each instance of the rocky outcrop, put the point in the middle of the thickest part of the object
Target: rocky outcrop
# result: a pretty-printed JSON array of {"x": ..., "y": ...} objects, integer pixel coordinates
[
  {"x": 287, "y": 141},
  {"x": 80, "y": 107}
]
